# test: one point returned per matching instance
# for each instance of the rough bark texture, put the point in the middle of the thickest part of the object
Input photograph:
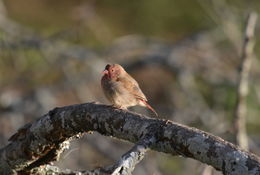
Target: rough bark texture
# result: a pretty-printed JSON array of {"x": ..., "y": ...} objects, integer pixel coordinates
[
  {"x": 42, "y": 141},
  {"x": 124, "y": 166},
  {"x": 53, "y": 170}
]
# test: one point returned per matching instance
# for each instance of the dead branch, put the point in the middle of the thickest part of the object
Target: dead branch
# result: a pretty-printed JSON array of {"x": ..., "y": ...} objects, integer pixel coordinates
[
  {"x": 242, "y": 89},
  {"x": 128, "y": 161},
  {"x": 124, "y": 166},
  {"x": 42, "y": 141},
  {"x": 53, "y": 170}
]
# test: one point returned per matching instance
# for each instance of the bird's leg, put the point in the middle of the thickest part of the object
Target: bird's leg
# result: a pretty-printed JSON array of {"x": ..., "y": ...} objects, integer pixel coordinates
[
  {"x": 118, "y": 107},
  {"x": 168, "y": 121},
  {"x": 114, "y": 106}
]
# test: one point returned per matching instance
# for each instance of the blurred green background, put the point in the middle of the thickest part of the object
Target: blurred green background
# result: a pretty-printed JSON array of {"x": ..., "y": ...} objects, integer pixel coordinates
[{"x": 185, "y": 55}]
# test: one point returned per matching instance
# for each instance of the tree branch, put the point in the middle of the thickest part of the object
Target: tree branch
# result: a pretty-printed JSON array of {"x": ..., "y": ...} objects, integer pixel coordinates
[
  {"x": 53, "y": 170},
  {"x": 124, "y": 166},
  {"x": 37, "y": 140},
  {"x": 242, "y": 89},
  {"x": 128, "y": 161}
]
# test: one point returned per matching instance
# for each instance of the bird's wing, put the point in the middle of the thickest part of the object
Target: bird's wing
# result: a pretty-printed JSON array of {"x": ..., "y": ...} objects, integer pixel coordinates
[{"x": 131, "y": 85}]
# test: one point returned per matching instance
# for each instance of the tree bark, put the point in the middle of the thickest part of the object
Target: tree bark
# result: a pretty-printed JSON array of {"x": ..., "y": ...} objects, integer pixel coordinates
[{"x": 42, "y": 141}]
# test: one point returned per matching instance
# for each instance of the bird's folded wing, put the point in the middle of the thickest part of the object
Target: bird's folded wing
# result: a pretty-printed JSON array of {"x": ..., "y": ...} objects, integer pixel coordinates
[{"x": 132, "y": 86}]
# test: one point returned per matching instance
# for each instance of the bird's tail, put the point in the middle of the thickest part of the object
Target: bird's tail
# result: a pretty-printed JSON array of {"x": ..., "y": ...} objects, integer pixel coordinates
[{"x": 149, "y": 107}]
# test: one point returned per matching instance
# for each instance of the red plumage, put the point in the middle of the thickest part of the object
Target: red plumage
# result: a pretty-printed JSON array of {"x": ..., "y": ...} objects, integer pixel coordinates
[{"x": 121, "y": 89}]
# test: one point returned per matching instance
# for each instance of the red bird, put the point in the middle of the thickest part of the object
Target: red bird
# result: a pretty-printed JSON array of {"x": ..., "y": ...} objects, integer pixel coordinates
[{"x": 121, "y": 89}]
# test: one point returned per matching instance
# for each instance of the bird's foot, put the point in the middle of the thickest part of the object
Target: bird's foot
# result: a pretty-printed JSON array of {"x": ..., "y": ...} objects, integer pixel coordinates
[
  {"x": 90, "y": 132},
  {"x": 118, "y": 107},
  {"x": 168, "y": 121},
  {"x": 113, "y": 106}
]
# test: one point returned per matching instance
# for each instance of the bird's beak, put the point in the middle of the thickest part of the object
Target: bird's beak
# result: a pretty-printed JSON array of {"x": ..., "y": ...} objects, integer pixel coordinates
[{"x": 105, "y": 72}]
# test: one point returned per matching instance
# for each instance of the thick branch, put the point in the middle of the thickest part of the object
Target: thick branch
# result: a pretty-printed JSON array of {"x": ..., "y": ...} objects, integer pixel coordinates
[
  {"x": 242, "y": 89},
  {"x": 36, "y": 140}
]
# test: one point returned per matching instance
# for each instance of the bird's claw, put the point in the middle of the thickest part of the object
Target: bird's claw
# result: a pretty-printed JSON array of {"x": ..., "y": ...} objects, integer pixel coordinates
[{"x": 168, "y": 121}]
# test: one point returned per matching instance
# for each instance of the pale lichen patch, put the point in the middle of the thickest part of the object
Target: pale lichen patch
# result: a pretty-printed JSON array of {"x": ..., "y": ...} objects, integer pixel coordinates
[
  {"x": 44, "y": 125},
  {"x": 74, "y": 123},
  {"x": 198, "y": 146},
  {"x": 236, "y": 162},
  {"x": 95, "y": 126},
  {"x": 62, "y": 119},
  {"x": 107, "y": 127},
  {"x": 167, "y": 134}
]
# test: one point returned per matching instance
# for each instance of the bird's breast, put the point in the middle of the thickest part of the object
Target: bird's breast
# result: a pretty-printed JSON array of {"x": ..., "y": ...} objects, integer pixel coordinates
[{"x": 117, "y": 94}]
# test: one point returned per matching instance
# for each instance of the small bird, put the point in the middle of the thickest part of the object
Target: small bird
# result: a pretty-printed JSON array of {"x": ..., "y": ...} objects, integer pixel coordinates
[{"x": 121, "y": 89}]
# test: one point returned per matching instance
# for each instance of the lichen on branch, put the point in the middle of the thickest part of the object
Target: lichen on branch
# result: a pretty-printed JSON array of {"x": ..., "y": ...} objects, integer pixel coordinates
[{"x": 41, "y": 141}]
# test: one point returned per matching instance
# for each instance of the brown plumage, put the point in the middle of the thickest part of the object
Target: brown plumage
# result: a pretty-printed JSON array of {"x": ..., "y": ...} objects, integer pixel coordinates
[{"x": 121, "y": 89}]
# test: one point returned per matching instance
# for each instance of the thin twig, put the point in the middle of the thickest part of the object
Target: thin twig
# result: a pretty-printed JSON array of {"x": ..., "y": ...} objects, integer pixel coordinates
[
  {"x": 129, "y": 160},
  {"x": 242, "y": 88}
]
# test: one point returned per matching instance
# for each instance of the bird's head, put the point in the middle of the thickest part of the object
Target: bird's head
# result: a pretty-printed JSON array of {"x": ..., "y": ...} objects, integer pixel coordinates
[{"x": 113, "y": 71}]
